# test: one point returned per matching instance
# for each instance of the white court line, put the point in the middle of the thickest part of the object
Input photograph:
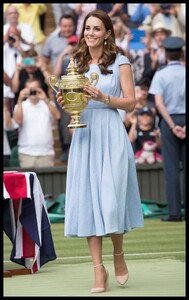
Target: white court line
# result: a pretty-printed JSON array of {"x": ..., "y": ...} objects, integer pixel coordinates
[
  {"x": 131, "y": 254},
  {"x": 109, "y": 255}
]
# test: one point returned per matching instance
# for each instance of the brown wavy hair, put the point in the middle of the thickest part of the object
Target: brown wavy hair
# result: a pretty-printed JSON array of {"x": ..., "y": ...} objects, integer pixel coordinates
[{"x": 110, "y": 51}]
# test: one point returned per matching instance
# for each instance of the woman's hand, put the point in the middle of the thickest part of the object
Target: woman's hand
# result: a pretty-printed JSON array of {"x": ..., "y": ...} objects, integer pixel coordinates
[
  {"x": 92, "y": 92},
  {"x": 24, "y": 93},
  {"x": 60, "y": 100},
  {"x": 41, "y": 94}
]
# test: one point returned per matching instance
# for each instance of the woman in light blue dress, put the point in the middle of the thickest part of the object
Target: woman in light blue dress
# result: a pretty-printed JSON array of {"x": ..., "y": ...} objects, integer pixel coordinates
[{"x": 102, "y": 195}]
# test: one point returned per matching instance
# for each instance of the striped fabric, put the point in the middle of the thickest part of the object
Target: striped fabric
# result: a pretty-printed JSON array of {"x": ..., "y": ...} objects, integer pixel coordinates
[{"x": 26, "y": 220}]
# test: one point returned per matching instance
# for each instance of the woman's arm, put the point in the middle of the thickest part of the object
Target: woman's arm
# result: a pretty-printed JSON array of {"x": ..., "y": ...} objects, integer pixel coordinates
[
  {"x": 43, "y": 68},
  {"x": 16, "y": 79},
  {"x": 132, "y": 131},
  {"x": 18, "y": 112},
  {"x": 7, "y": 80}
]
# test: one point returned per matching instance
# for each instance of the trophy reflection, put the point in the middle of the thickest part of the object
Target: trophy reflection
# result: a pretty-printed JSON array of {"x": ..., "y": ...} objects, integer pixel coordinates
[{"x": 71, "y": 88}]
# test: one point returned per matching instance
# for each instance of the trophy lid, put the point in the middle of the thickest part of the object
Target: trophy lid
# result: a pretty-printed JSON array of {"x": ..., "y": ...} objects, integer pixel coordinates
[
  {"x": 72, "y": 68},
  {"x": 73, "y": 79}
]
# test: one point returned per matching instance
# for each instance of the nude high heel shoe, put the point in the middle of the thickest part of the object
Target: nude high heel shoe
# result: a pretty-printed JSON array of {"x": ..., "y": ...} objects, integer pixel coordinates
[
  {"x": 106, "y": 288},
  {"x": 123, "y": 278}
]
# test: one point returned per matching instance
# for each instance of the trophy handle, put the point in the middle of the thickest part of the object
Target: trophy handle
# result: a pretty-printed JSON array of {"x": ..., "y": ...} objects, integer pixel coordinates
[
  {"x": 94, "y": 77},
  {"x": 52, "y": 82}
]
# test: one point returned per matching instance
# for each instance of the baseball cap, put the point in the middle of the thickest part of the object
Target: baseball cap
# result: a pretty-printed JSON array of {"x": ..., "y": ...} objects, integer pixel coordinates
[
  {"x": 73, "y": 39},
  {"x": 145, "y": 110}
]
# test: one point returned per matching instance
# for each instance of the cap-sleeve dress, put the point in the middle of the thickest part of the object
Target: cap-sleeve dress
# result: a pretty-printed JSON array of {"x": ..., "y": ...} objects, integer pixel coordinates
[{"x": 102, "y": 195}]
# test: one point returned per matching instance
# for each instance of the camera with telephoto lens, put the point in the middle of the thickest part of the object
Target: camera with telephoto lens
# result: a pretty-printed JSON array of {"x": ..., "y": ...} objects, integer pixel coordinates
[
  {"x": 11, "y": 38},
  {"x": 33, "y": 92}
]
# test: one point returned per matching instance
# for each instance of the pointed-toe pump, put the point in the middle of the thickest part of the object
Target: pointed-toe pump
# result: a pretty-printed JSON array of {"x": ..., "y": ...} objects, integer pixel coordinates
[
  {"x": 106, "y": 287},
  {"x": 123, "y": 278}
]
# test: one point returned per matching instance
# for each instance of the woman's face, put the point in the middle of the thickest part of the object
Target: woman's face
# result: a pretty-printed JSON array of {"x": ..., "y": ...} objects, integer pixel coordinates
[
  {"x": 117, "y": 28},
  {"x": 95, "y": 32}
]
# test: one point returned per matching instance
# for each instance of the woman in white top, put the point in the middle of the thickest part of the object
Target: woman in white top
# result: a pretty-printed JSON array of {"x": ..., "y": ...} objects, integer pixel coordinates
[{"x": 122, "y": 34}]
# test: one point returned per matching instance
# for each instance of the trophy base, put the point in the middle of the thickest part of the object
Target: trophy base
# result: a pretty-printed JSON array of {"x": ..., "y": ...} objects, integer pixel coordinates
[
  {"x": 76, "y": 121},
  {"x": 77, "y": 125}
]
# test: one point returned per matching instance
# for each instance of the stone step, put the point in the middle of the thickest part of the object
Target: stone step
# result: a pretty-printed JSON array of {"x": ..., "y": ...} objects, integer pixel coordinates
[{"x": 49, "y": 20}]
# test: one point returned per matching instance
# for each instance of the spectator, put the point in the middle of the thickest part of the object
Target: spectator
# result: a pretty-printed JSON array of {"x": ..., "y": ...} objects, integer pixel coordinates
[
  {"x": 12, "y": 54},
  {"x": 171, "y": 18},
  {"x": 137, "y": 55},
  {"x": 9, "y": 124},
  {"x": 30, "y": 13},
  {"x": 143, "y": 129},
  {"x": 53, "y": 48},
  {"x": 31, "y": 66},
  {"x": 114, "y": 10},
  {"x": 143, "y": 99},
  {"x": 64, "y": 57},
  {"x": 155, "y": 58},
  {"x": 35, "y": 118},
  {"x": 81, "y": 10},
  {"x": 26, "y": 30},
  {"x": 180, "y": 13},
  {"x": 60, "y": 9},
  {"x": 56, "y": 43},
  {"x": 122, "y": 34},
  {"x": 138, "y": 16}
]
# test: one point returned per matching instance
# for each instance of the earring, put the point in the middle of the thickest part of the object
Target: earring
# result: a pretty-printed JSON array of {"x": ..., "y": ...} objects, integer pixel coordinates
[{"x": 105, "y": 42}]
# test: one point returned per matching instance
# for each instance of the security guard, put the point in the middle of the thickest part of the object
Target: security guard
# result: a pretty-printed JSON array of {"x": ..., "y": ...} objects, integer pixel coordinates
[{"x": 168, "y": 87}]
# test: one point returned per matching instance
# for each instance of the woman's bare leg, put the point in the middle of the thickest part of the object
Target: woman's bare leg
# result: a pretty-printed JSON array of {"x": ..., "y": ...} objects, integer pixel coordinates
[
  {"x": 119, "y": 261},
  {"x": 95, "y": 247}
]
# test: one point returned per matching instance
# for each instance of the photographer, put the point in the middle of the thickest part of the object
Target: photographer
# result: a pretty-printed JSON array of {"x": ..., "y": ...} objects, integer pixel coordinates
[
  {"x": 14, "y": 39},
  {"x": 31, "y": 66},
  {"x": 35, "y": 117}
]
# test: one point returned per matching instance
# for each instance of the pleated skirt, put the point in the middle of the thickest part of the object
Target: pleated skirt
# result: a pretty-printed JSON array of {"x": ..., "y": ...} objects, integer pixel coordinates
[{"x": 102, "y": 194}]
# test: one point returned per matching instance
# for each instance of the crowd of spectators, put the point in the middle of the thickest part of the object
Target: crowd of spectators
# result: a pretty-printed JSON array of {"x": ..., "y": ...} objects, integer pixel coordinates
[{"x": 30, "y": 57}]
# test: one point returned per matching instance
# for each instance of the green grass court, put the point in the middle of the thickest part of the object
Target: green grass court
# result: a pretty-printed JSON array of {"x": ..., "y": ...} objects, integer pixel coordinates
[{"x": 155, "y": 257}]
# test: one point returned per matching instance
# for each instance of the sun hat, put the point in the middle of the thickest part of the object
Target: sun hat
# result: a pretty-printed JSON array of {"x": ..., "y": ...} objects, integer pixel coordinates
[{"x": 159, "y": 27}]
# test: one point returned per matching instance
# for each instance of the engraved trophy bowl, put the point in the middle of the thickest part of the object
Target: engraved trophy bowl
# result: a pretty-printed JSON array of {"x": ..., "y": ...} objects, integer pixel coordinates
[{"x": 71, "y": 88}]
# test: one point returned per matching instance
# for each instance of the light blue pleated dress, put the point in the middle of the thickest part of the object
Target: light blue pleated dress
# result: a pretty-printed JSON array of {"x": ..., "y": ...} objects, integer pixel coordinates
[{"x": 102, "y": 195}]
